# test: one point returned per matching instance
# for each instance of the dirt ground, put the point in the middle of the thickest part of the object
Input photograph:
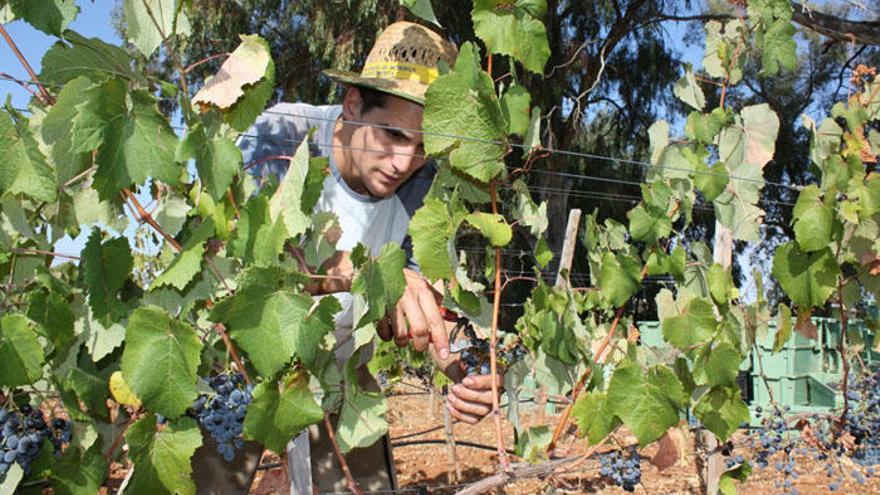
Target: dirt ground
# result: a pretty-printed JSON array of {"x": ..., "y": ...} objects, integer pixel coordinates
[{"x": 422, "y": 466}]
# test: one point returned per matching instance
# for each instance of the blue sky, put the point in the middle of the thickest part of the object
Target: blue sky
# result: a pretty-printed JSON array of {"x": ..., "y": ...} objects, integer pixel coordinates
[{"x": 93, "y": 21}]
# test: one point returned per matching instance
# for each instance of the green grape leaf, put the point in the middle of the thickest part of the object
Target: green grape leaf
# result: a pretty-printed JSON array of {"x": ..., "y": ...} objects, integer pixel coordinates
[
  {"x": 813, "y": 220},
  {"x": 49, "y": 16},
  {"x": 381, "y": 282},
  {"x": 21, "y": 356},
  {"x": 688, "y": 90},
  {"x": 720, "y": 284},
  {"x": 719, "y": 366},
  {"x": 492, "y": 226},
  {"x": 648, "y": 225},
  {"x": 79, "y": 472},
  {"x": 808, "y": 279},
  {"x": 273, "y": 325},
  {"x": 247, "y": 65},
  {"x": 162, "y": 457},
  {"x": 320, "y": 244},
  {"x": 463, "y": 103},
  {"x": 160, "y": 360},
  {"x": 320, "y": 321},
  {"x": 286, "y": 203},
  {"x": 543, "y": 254},
  {"x": 778, "y": 48},
  {"x": 619, "y": 278},
  {"x": 658, "y": 134},
  {"x": 54, "y": 316},
  {"x": 134, "y": 141},
  {"x": 89, "y": 57},
  {"x": 515, "y": 106},
  {"x": 275, "y": 416},
  {"x": 256, "y": 238},
  {"x": 532, "y": 139},
  {"x": 711, "y": 181},
  {"x": 783, "y": 328},
  {"x": 722, "y": 410},
  {"x": 188, "y": 263},
  {"x": 148, "y": 22},
  {"x": 694, "y": 326},
  {"x": 217, "y": 158},
  {"x": 745, "y": 148},
  {"x": 432, "y": 229},
  {"x": 57, "y": 131},
  {"x": 171, "y": 212},
  {"x": 106, "y": 266},
  {"x": 527, "y": 212},
  {"x": 532, "y": 444},
  {"x": 647, "y": 403},
  {"x": 24, "y": 169},
  {"x": 90, "y": 386},
  {"x": 421, "y": 9},
  {"x": 593, "y": 417},
  {"x": 362, "y": 417},
  {"x": 514, "y": 29},
  {"x": 100, "y": 340},
  {"x": 704, "y": 127}
]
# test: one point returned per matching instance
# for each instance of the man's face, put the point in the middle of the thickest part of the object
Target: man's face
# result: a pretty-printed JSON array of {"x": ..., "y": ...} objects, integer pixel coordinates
[{"x": 388, "y": 148}]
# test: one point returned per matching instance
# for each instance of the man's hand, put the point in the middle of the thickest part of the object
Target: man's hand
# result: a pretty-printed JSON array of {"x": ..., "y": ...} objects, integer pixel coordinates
[
  {"x": 417, "y": 317},
  {"x": 471, "y": 400}
]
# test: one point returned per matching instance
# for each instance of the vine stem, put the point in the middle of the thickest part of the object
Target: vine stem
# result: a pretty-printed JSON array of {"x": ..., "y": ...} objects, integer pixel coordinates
[
  {"x": 45, "y": 253},
  {"x": 493, "y": 343},
  {"x": 45, "y": 98},
  {"x": 193, "y": 65},
  {"x": 219, "y": 328},
  {"x": 118, "y": 440},
  {"x": 267, "y": 159},
  {"x": 352, "y": 483}
]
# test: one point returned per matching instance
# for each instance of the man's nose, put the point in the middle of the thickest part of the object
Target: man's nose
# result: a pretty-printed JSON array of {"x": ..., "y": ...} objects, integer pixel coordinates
[{"x": 403, "y": 158}]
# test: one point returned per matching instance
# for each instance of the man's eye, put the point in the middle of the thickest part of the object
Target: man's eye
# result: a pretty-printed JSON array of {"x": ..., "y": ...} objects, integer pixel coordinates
[{"x": 396, "y": 135}]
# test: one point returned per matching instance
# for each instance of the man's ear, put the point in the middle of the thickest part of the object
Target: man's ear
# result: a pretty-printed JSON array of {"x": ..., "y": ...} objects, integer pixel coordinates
[{"x": 352, "y": 103}]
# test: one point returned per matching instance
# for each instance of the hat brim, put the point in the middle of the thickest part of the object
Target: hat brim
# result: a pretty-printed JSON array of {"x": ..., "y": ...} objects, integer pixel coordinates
[{"x": 384, "y": 85}]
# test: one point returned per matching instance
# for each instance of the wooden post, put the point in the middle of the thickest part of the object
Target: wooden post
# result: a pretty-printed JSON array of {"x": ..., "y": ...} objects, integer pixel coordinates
[
  {"x": 723, "y": 255},
  {"x": 567, "y": 256}
]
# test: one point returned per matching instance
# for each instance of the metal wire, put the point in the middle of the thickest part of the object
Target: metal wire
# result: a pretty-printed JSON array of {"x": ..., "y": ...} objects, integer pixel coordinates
[{"x": 575, "y": 154}]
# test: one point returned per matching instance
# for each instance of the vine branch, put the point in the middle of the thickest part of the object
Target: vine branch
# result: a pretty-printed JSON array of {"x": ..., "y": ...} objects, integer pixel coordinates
[
  {"x": 45, "y": 97},
  {"x": 352, "y": 483},
  {"x": 493, "y": 343},
  {"x": 221, "y": 329}
]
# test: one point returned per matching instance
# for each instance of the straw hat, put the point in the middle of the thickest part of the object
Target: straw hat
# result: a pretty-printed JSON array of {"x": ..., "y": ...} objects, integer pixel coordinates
[{"x": 403, "y": 62}]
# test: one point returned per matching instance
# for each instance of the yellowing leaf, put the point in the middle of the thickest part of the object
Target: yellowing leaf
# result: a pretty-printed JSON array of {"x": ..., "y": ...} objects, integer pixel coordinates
[{"x": 122, "y": 393}]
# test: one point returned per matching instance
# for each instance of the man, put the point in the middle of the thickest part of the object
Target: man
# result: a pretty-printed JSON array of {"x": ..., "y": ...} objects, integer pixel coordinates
[{"x": 378, "y": 179}]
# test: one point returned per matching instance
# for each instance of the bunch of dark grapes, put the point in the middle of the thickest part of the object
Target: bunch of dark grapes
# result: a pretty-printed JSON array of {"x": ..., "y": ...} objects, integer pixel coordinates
[
  {"x": 625, "y": 472},
  {"x": 771, "y": 436},
  {"x": 222, "y": 413},
  {"x": 475, "y": 357},
  {"x": 22, "y": 434}
]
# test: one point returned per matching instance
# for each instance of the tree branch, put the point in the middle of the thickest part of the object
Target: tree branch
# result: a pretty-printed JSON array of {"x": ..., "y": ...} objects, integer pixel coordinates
[
  {"x": 45, "y": 98},
  {"x": 866, "y": 32}
]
